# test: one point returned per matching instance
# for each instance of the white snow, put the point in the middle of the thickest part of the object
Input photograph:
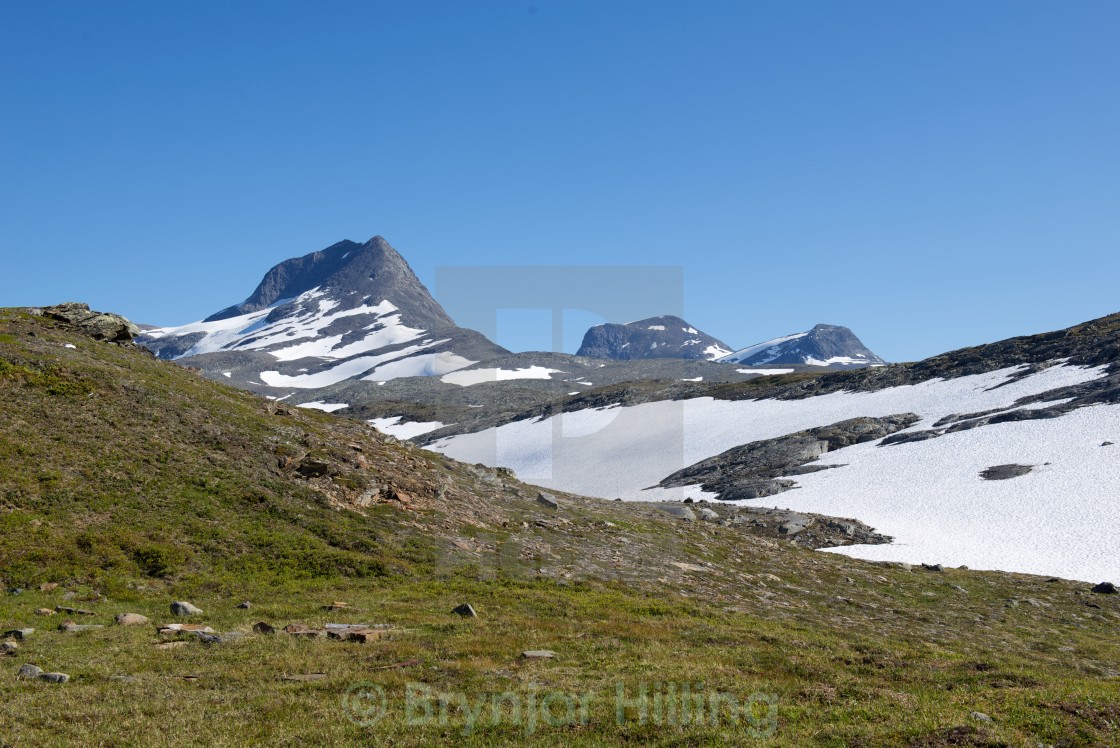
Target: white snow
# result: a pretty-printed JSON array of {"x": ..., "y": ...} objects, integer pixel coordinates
[
  {"x": 319, "y": 405},
  {"x": 656, "y": 327},
  {"x": 477, "y": 376},
  {"x": 227, "y": 374},
  {"x": 715, "y": 353},
  {"x": 71, "y": 346},
  {"x": 691, "y": 330},
  {"x": 694, "y": 379},
  {"x": 749, "y": 351},
  {"x": 393, "y": 427},
  {"x": 765, "y": 372},
  {"x": 1061, "y": 519},
  {"x": 835, "y": 360}
]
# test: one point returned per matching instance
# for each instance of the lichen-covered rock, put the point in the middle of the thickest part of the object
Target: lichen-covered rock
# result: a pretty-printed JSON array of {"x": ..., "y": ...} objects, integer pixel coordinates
[{"x": 98, "y": 325}]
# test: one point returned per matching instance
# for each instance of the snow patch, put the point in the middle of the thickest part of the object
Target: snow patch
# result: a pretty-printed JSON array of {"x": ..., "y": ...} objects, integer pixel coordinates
[
  {"x": 477, "y": 376},
  {"x": 393, "y": 427}
]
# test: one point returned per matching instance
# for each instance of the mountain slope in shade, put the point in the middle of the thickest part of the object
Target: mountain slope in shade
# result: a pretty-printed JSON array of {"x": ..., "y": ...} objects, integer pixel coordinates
[
  {"x": 824, "y": 345},
  {"x": 656, "y": 337},
  {"x": 348, "y": 311}
]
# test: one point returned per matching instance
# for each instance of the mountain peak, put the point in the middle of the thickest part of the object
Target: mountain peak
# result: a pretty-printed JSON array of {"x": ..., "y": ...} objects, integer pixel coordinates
[
  {"x": 350, "y": 273},
  {"x": 823, "y": 345},
  {"x": 667, "y": 336}
]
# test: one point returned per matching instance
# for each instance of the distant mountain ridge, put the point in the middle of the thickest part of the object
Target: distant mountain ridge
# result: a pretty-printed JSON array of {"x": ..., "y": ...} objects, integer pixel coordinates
[
  {"x": 824, "y": 345},
  {"x": 656, "y": 337}
]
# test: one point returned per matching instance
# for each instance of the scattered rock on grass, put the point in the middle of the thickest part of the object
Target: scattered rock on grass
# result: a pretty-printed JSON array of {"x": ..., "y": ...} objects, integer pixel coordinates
[
  {"x": 44, "y": 612},
  {"x": 73, "y": 611},
  {"x": 8, "y": 648},
  {"x": 1105, "y": 588},
  {"x": 29, "y": 672},
  {"x": 548, "y": 500},
  {"x": 245, "y": 605},
  {"x": 54, "y": 677},
  {"x": 465, "y": 610},
  {"x": 77, "y": 628},
  {"x": 538, "y": 654},
  {"x": 260, "y": 627},
  {"x": 185, "y": 609},
  {"x": 190, "y": 628},
  {"x": 18, "y": 634},
  {"x": 979, "y": 717},
  {"x": 48, "y": 586},
  {"x": 131, "y": 619}
]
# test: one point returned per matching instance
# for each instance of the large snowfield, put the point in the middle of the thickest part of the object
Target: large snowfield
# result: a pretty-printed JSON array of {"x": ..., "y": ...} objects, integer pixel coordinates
[{"x": 1062, "y": 519}]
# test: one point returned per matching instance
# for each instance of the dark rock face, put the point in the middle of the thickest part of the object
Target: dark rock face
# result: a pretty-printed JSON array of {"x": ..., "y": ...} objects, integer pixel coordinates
[
  {"x": 753, "y": 470},
  {"x": 112, "y": 328},
  {"x": 824, "y": 345},
  {"x": 1005, "y": 472},
  {"x": 366, "y": 300},
  {"x": 656, "y": 337},
  {"x": 374, "y": 270}
]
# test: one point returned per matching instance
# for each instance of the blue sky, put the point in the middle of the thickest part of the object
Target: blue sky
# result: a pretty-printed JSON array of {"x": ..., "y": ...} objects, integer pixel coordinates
[{"x": 931, "y": 174}]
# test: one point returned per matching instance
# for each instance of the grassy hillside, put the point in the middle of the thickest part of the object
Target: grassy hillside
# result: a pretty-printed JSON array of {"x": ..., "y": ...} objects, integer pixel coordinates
[{"x": 130, "y": 483}]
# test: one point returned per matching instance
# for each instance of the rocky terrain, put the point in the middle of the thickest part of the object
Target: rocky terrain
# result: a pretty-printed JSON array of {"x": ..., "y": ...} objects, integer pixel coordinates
[
  {"x": 656, "y": 337},
  {"x": 184, "y": 562}
]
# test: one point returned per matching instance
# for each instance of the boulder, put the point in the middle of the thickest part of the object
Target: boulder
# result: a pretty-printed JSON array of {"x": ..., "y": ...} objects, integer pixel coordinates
[
  {"x": 8, "y": 648},
  {"x": 708, "y": 515},
  {"x": 131, "y": 619},
  {"x": 245, "y": 605},
  {"x": 29, "y": 672},
  {"x": 1105, "y": 588},
  {"x": 260, "y": 627},
  {"x": 54, "y": 677},
  {"x": 1005, "y": 472},
  {"x": 679, "y": 511},
  {"x": 185, "y": 609},
  {"x": 98, "y": 325},
  {"x": 548, "y": 500},
  {"x": 18, "y": 634}
]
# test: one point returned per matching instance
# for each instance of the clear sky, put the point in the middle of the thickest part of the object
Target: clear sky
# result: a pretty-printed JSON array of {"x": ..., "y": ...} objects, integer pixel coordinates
[{"x": 931, "y": 174}]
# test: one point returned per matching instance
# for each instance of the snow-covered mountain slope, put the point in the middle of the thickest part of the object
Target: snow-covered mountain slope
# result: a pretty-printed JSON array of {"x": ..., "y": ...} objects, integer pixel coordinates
[
  {"x": 656, "y": 337},
  {"x": 350, "y": 311},
  {"x": 1059, "y": 519},
  {"x": 824, "y": 345}
]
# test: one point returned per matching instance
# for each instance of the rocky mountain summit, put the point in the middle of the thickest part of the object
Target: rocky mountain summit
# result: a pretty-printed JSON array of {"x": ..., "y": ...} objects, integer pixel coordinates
[
  {"x": 348, "y": 311},
  {"x": 824, "y": 345},
  {"x": 656, "y": 337}
]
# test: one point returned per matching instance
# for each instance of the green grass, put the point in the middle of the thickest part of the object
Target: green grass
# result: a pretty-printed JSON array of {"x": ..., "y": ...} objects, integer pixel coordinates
[{"x": 133, "y": 483}]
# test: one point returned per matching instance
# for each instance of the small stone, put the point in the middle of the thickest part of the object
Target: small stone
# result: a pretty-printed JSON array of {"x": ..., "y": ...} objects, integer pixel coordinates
[
  {"x": 132, "y": 619},
  {"x": 1105, "y": 588},
  {"x": 708, "y": 515},
  {"x": 304, "y": 677},
  {"x": 76, "y": 628},
  {"x": 15, "y": 591},
  {"x": 185, "y": 609},
  {"x": 18, "y": 634},
  {"x": 48, "y": 586},
  {"x": 28, "y": 672},
  {"x": 465, "y": 610},
  {"x": 73, "y": 611},
  {"x": 54, "y": 677},
  {"x": 979, "y": 717},
  {"x": 8, "y": 648},
  {"x": 958, "y": 588},
  {"x": 245, "y": 605},
  {"x": 680, "y": 512},
  {"x": 548, "y": 500},
  {"x": 1106, "y": 444},
  {"x": 189, "y": 628},
  {"x": 933, "y": 567},
  {"x": 44, "y": 612},
  {"x": 689, "y": 500},
  {"x": 260, "y": 627},
  {"x": 336, "y": 606},
  {"x": 538, "y": 654}
]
